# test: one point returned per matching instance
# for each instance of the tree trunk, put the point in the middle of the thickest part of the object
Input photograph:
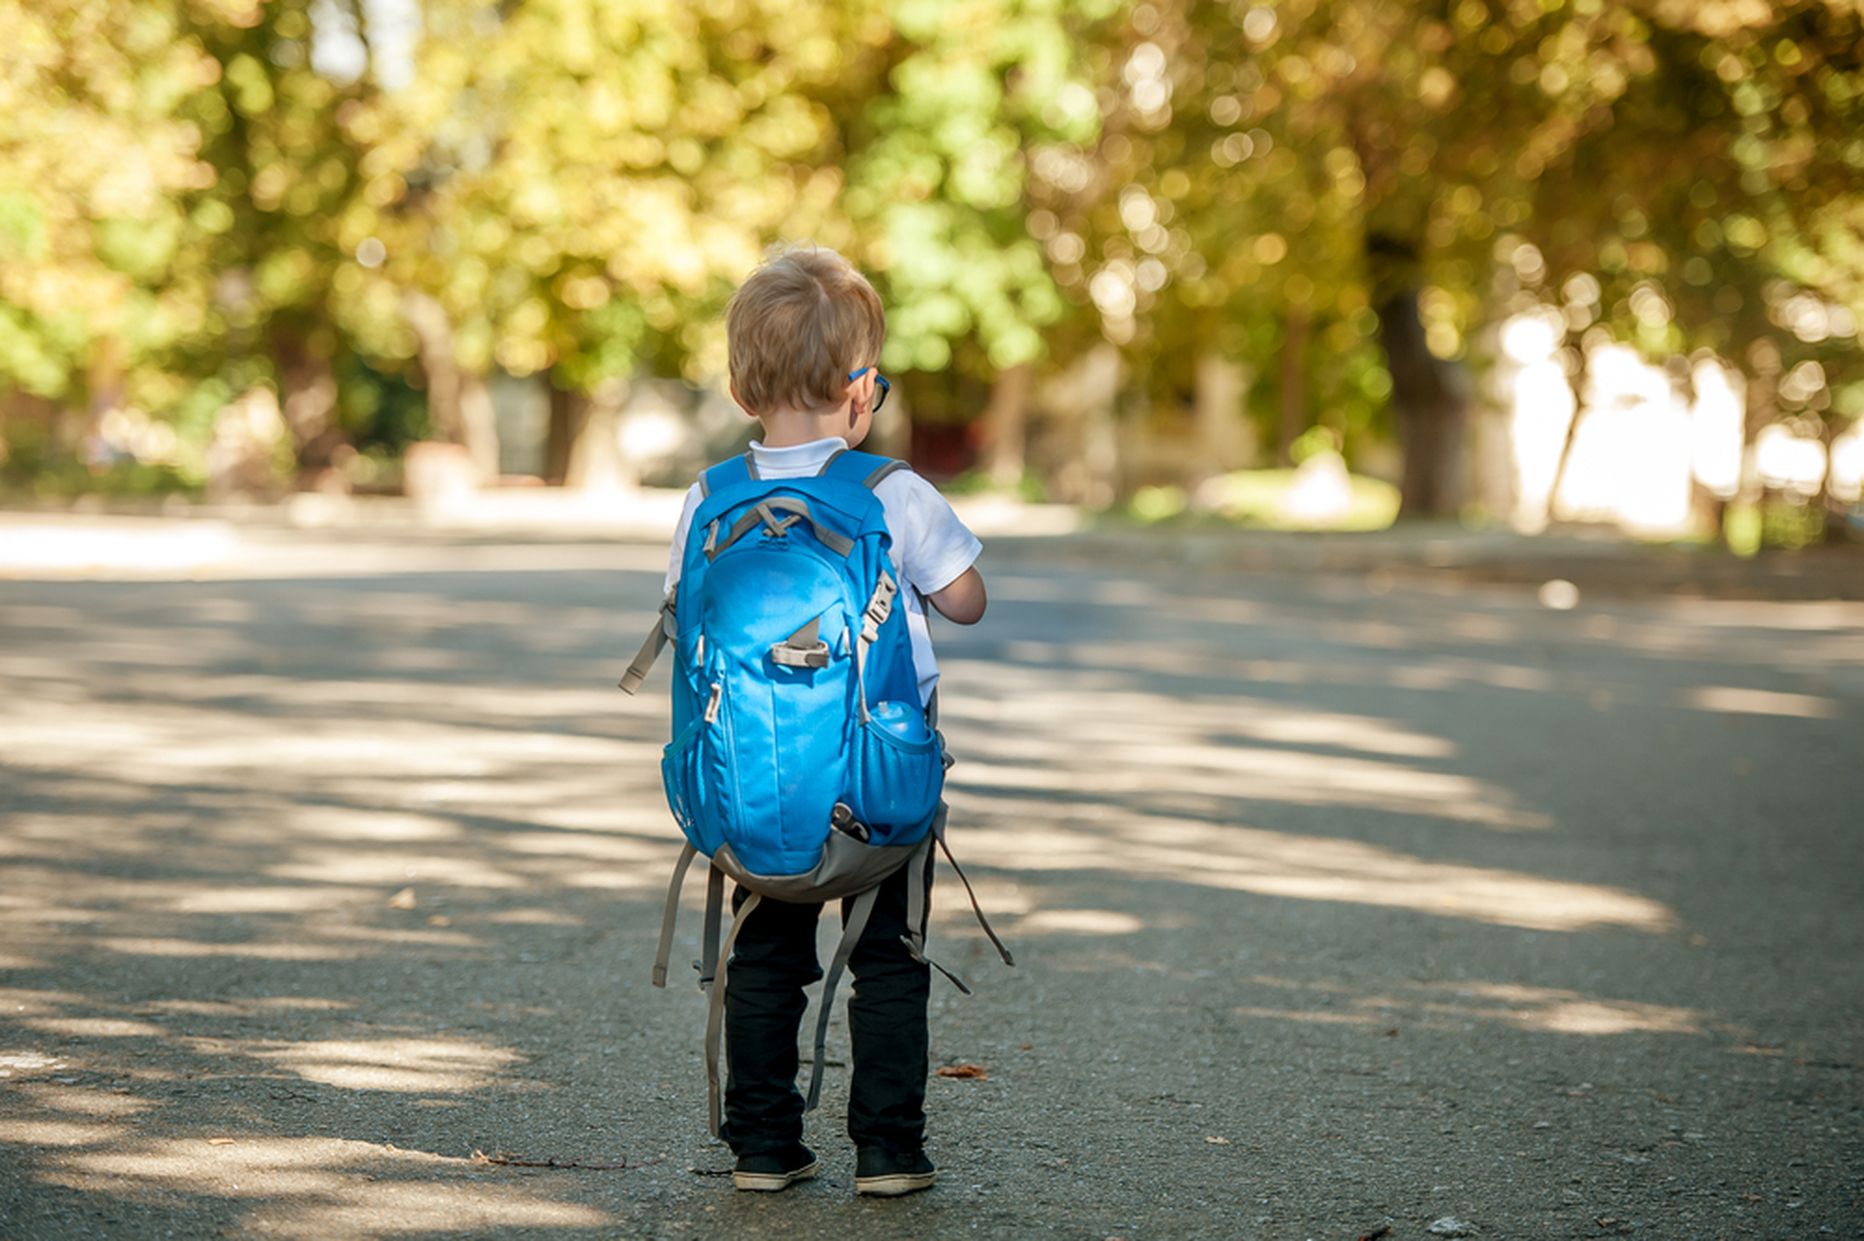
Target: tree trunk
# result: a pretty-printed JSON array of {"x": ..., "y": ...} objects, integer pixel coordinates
[
  {"x": 1429, "y": 395},
  {"x": 308, "y": 400},
  {"x": 1758, "y": 401},
  {"x": 1293, "y": 420},
  {"x": 1834, "y": 515},
  {"x": 1006, "y": 426},
  {"x": 1572, "y": 431},
  {"x": 595, "y": 462},
  {"x": 1223, "y": 440},
  {"x": 457, "y": 401},
  {"x": 569, "y": 417}
]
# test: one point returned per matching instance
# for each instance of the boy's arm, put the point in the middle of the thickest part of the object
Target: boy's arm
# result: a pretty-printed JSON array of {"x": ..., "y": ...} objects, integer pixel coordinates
[
  {"x": 933, "y": 549},
  {"x": 677, "y": 552},
  {"x": 964, "y": 601}
]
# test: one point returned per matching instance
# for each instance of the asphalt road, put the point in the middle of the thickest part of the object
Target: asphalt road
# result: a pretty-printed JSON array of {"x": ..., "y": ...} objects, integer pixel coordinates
[{"x": 1342, "y": 901}]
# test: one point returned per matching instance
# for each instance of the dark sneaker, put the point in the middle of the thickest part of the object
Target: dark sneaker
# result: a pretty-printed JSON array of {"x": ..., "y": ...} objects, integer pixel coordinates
[
  {"x": 778, "y": 1169},
  {"x": 888, "y": 1174}
]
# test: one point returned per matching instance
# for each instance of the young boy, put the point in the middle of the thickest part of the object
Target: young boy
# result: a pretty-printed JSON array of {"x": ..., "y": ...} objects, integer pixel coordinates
[{"x": 804, "y": 334}]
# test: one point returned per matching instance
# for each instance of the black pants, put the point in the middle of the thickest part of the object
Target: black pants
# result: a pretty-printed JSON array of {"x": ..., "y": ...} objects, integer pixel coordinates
[{"x": 774, "y": 959}]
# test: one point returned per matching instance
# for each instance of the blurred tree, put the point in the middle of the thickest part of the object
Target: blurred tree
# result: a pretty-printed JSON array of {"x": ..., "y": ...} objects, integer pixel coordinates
[
  {"x": 574, "y": 186},
  {"x": 97, "y": 156},
  {"x": 1716, "y": 204},
  {"x": 962, "y": 102},
  {"x": 286, "y": 175}
]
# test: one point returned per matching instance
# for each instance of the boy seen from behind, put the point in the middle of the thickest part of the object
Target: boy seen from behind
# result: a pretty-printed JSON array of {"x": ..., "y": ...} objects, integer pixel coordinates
[{"x": 804, "y": 335}]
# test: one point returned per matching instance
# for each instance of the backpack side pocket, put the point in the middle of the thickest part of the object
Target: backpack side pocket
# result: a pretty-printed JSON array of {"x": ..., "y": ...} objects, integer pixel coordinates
[
  {"x": 897, "y": 773},
  {"x": 679, "y": 774}
]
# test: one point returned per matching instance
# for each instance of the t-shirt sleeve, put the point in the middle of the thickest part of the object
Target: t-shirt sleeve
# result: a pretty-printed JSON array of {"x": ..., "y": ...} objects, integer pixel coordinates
[
  {"x": 931, "y": 547},
  {"x": 677, "y": 552}
]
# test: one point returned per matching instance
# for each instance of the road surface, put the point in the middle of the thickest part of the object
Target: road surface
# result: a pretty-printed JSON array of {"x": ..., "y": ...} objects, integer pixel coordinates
[{"x": 1342, "y": 901}]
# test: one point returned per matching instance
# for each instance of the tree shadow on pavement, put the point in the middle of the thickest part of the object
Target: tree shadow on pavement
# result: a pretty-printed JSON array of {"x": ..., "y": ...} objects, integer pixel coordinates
[{"x": 1335, "y": 902}]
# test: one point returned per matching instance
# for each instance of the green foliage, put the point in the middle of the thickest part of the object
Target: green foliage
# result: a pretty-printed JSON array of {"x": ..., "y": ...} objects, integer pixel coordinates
[{"x": 189, "y": 204}]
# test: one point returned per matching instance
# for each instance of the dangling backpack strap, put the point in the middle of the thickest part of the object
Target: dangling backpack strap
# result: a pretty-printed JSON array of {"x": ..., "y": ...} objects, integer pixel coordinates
[
  {"x": 672, "y": 911},
  {"x": 665, "y": 626},
  {"x": 715, "y": 1012},
  {"x": 707, "y": 964},
  {"x": 938, "y": 834},
  {"x": 918, "y": 911},
  {"x": 858, "y": 914}
]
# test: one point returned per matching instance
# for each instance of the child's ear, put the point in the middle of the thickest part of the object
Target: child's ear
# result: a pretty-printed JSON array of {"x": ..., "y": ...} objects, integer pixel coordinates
[{"x": 738, "y": 400}]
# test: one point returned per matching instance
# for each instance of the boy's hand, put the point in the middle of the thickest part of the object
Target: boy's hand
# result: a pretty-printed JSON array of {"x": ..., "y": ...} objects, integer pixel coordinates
[{"x": 963, "y": 601}]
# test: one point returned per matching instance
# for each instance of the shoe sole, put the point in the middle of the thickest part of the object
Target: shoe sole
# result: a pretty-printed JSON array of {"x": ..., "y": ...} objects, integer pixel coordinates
[
  {"x": 894, "y": 1184},
  {"x": 770, "y": 1182}
]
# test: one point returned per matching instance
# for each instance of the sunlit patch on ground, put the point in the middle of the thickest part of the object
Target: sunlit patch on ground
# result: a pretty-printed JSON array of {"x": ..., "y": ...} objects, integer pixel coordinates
[
  {"x": 314, "y": 1187},
  {"x": 407, "y": 1065},
  {"x": 1447, "y": 1005}
]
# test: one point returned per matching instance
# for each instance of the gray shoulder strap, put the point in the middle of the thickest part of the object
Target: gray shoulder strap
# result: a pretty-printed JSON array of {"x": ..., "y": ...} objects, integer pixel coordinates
[
  {"x": 714, "y": 915},
  {"x": 664, "y": 628},
  {"x": 890, "y": 468},
  {"x": 850, "y": 936},
  {"x": 715, "y": 1015},
  {"x": 672, "y": 911}
]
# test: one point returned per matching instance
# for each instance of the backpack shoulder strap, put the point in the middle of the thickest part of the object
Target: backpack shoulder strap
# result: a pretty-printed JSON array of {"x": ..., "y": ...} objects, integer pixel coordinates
[
  {"x": 737, "y": 469},
  {"x": 858, "y": 914},
  {"x": 865, "y": 468}
]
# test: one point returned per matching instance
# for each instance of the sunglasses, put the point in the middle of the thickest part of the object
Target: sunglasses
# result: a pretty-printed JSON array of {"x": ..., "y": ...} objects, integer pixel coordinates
[{"x": 880, "y": 380}]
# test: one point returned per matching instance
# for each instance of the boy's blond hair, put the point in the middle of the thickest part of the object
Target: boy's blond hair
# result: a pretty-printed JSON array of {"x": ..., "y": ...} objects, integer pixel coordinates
[{"x": 797, "y": 327}]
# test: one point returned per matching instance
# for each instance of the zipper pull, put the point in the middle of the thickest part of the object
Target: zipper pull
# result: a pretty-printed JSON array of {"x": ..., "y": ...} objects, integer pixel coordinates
[{"x": 711, "y": 706}]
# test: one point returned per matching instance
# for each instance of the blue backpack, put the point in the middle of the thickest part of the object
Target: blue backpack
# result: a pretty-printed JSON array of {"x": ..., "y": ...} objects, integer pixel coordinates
[{"x": 801, "y": 765}]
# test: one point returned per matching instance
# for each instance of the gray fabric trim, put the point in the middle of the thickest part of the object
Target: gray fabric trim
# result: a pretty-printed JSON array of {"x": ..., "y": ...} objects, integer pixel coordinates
[
  {"x": 664, "y": 628},
  {"x": 714, "y": 914},
  {"x": 847, "y": 867},
  {"x": 802, "y": 649},
  {"x": 715, "y": 1014},
  {"x": 765, "y": 514},
  {"x": 687, "y": 855},
  {"x": 850, "y": 936},
  {"x": 750, "y": 464},
  {"x": 882, "y": 471},
  {"x": 917, "y": 910},
  {"x": 830, "y": 461}
]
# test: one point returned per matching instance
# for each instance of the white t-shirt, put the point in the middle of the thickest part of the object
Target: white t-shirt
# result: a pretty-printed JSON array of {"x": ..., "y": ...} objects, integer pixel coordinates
[{"x": 931, "y": 547}]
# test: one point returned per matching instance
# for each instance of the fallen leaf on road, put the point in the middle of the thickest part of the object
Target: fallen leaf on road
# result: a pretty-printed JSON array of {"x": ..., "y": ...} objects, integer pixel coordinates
[
  {"x": 1217, "y": 1141},
  {"x": 439, "y": 920},
  {"x": 219, "y": 1141},
  {"x": 976, "y": 1071},
  {"x": 403, "y": 899},
  {"x": 1383, "y": 1230},
  {"x": 1450, "y": 1226}
]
